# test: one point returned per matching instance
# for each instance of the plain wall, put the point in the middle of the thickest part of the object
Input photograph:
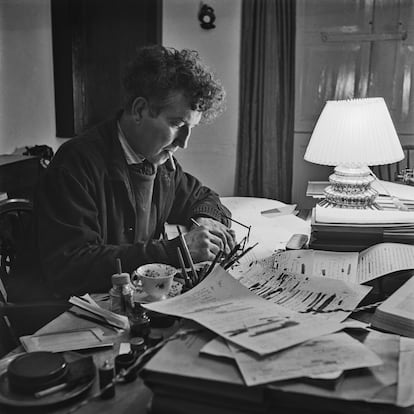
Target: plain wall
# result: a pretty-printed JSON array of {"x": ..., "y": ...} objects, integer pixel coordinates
[
  {"x": 26, "y": 80},
  {"x": 26, "y": 75},
  {"x": 211, "y": 154}
]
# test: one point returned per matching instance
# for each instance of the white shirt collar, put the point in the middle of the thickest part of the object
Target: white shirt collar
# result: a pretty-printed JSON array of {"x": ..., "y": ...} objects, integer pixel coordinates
[{"x": 130, "y": 156}]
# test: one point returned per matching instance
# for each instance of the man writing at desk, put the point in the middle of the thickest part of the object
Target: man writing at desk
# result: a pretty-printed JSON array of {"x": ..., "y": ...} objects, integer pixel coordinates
[{"x": 109, "y": 192}]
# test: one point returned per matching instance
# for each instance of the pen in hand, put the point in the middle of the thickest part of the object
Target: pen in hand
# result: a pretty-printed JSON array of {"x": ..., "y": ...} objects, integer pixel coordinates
[{"x": 195, "y": 222}]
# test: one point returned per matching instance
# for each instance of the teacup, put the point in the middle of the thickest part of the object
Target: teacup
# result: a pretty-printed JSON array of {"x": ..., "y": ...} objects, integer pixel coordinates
[{"x": 156, "y": 279}]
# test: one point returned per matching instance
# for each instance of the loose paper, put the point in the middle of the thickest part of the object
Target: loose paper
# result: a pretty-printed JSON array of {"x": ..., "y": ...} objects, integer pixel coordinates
[
  {"x": 326, "y": 354},
  {"x": 384, "y": 258},
  {"x": 223, "y": 305},
  {"x": 72, "y": 340},
  {"x": 301, "y": 292},
  {"x": 359, "y": 268},
  {"x": 335, "y": 265}
]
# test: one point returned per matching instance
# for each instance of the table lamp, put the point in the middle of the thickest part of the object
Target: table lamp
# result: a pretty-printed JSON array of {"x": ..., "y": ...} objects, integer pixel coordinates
[{"x": 352, "y": 135}]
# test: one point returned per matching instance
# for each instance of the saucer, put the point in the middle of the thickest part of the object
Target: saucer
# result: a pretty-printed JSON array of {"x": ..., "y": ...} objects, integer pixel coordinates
[{"x": 15, "y": 399}]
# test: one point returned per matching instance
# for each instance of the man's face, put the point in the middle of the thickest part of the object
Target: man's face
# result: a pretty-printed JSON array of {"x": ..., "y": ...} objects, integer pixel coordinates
[{"x": 156, "y": 136}]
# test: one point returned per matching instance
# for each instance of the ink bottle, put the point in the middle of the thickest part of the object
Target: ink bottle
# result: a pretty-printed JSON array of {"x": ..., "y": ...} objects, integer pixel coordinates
[
  {"x": 138, "y": 346},
  {"x": 139, "y": 321},
  {"x": 106, "y": 375},
  {"x": 154, "y": 338}
]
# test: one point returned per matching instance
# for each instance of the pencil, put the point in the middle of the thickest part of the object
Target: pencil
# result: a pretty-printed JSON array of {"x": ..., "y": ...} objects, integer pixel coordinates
[
  {"x": 194, "y": 222},
  {"x": 93, "y": 319},
  {"x": 213, "y": 263},
  {"x": 185, "y": 274},
  {"x": 187, "y": 255},
  {"x": 233, "y": 251},
  {"x": 231, "y": 263},
  {"x": 232, "y": 219},
  {"x": 172, "y": 163}
]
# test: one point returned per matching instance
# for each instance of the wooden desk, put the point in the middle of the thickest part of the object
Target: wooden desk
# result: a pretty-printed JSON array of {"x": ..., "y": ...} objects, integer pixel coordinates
[{"x": 131, "y": 398}]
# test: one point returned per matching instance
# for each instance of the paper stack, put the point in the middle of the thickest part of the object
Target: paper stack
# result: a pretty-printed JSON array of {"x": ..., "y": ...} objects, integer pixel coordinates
[
  {"x": 343, "y": 229},
  {"x": 396, "y": 314}
]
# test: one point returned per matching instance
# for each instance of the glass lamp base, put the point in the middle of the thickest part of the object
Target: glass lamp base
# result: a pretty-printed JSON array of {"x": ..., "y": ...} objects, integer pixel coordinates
[{"x": 350, "y": 188}]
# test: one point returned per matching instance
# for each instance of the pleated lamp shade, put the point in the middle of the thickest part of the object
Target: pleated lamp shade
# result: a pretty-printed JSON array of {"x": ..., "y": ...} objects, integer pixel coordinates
[{"x": 354, "y": 133}]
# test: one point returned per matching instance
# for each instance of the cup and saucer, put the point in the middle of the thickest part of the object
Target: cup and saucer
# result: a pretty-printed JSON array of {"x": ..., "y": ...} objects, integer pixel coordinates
[{"x": 154, "y": 282}]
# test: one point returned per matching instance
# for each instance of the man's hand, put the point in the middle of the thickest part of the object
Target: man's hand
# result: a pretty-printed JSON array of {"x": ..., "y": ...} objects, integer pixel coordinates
[{"x": 218, "y": 236}]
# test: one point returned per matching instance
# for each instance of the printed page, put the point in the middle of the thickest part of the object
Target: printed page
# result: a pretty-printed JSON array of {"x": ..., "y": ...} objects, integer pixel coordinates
[
  {"x": 218, "y": 347},
  {"x": 223, "y": 305},
  {"x": 298, "y": 261},
  {"x": 384, "y": 258},
  {"x": 330, "y": 353},
  {"x": 333, "y": 299},
  {"x": 334, "y": 265}
]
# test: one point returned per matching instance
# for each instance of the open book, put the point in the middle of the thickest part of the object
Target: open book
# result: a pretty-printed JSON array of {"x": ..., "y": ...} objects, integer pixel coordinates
[{"x": 396, "y": 314}]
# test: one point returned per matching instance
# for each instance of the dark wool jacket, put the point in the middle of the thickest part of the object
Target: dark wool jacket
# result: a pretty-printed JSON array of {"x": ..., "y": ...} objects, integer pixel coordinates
[{"x": 85, "y": 213}]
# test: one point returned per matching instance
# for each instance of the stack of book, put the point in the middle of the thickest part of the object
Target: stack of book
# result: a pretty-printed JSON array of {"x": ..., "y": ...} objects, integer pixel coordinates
[
  {"x": 348, "y": 236},
  {"x": 343, "y": 229},
  {"x": 396, "y": 314}
]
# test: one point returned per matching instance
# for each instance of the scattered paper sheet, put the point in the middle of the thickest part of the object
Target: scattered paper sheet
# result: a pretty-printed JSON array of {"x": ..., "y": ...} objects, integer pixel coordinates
[
  {"x": 405, "y": 390},
  {"x": 279, "y": 211},
  {"x": 335, "y": 265},
  {"x": 71, "y": 340},
  {"x": 301, "y": 292},
  {"x": 330, "y": 353},
  {"x": 384, "y": 258},
  {"x": 88, "y": 304},
  {"x": 358, "y": 268},
  {"x": 223, "y": 305},
  {"x": 218, "y": 347}
]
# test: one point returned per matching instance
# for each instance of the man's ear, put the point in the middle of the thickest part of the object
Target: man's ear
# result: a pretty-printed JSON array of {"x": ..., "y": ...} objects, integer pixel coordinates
[{"x": 139, "y": 105}]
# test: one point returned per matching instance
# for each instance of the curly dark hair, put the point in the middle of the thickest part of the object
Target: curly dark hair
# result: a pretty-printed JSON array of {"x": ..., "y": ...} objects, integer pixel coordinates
[{"x": 157, "y": 71}]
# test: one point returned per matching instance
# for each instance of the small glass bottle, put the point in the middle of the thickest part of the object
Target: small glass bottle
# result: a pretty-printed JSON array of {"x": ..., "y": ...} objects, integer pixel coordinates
[
  {"x": 154, "y": 338},
  {"x": 121, "y": 294},
  {"x": 139, "y": 321},
  {"x": 138, "y": 346},
  {"x": 106, "y": 375}
]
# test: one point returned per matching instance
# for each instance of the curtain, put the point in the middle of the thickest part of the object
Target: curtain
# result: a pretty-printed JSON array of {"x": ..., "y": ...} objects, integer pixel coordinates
[{"x": 267, "y": 75}]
